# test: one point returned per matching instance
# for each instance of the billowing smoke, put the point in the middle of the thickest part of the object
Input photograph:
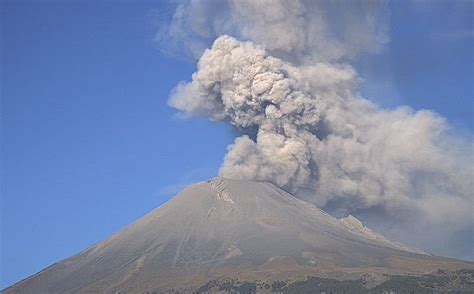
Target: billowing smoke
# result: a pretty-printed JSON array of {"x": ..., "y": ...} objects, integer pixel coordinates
[
  {"x": 297, "y": 30},
  {"x": 304, "y": 125}
]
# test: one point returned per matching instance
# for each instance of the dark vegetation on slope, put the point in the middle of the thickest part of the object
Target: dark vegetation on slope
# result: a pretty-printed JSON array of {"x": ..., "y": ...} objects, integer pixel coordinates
[{"x": 459, "y": 282}]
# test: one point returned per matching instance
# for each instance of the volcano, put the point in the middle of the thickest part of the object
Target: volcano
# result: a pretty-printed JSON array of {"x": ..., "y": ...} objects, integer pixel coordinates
[{"x": 225, "y": 229}]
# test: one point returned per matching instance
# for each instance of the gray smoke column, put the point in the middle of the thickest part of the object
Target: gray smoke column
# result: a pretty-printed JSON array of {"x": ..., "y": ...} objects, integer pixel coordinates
[{"x": 305, "y": 126}]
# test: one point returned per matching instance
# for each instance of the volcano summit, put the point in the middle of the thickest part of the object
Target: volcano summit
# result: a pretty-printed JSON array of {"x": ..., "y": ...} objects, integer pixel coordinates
[{"x": 231, "y": 231}]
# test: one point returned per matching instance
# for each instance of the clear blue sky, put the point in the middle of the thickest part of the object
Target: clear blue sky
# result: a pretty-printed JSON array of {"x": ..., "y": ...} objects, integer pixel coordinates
[{"x": 89, "y": 144}]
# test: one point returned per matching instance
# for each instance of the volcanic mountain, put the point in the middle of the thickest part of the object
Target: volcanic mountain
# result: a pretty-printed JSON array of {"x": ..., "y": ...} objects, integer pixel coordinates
[{"x": 231, "y": 229}]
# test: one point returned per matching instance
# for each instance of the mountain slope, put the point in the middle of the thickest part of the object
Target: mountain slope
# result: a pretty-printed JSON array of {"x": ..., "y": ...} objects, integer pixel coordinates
[{"x": 228, "y": 228}]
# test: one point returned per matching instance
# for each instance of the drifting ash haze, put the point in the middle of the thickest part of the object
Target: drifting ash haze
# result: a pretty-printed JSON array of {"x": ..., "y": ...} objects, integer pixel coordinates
[
  {"x": 232, "y": 229},
  {"x": 290, "y": 91}
]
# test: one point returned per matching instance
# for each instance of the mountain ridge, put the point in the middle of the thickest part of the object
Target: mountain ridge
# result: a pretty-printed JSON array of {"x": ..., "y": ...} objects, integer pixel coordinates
[{"x": 224, "y": 228}]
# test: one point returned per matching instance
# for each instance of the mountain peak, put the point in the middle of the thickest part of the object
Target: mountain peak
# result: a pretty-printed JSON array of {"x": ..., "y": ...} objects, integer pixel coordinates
[{"x": 228, "y": 228}]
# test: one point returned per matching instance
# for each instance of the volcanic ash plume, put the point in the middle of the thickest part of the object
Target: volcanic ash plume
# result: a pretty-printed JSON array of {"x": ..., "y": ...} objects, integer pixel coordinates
[
  {"x": 297, "y": 30},
  {"x": 316, "y": 137},
  {"x": 305, "y": 127}
]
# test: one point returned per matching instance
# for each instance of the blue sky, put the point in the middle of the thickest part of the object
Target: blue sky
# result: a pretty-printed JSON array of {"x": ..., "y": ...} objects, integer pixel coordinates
[{"x": 89, "y": 144}]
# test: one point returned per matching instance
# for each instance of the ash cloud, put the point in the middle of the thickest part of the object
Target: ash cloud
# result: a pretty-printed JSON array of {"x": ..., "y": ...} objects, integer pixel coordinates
[
  {"x": 301, "y": 30},
  {"x": 291, "y": 84}
]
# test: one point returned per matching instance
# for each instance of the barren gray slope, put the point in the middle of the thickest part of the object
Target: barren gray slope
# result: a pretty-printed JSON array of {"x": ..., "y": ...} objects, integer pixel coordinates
[{"x": 227, "y": 228}]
